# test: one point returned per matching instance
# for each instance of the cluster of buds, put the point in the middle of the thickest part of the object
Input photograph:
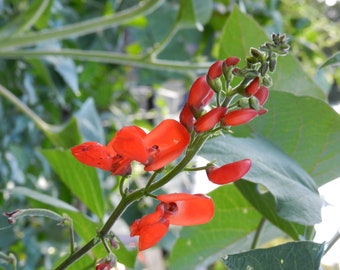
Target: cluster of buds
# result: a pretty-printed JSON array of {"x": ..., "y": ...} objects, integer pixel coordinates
[{"x": 215, "y": 104}]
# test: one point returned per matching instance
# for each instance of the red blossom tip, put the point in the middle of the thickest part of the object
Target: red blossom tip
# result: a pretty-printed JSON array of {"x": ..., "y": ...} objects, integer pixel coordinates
[
  {"x": 232, "y": 61},
  {"x": 210, "y": 119},
  {"x": 252, "y": 87},
  {"x": 239, "y": 117},
  {"x": 186, "y": 118},
  {"x": 215, "y": 70},
  {"x": 262, "y": 95},
  {"x": 229, "y": 172},
  {"x": 200, "y": 95}
]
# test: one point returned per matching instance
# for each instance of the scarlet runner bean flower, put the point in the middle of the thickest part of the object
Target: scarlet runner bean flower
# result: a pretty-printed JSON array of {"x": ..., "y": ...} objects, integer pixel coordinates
[
  {"x": 229, "y": 172},
  {"x": 239, "y": 117},
  {"x": 156, "y": 149},
  {"x": 210, "y": 119},
  {"x": 177, "y": 209}
]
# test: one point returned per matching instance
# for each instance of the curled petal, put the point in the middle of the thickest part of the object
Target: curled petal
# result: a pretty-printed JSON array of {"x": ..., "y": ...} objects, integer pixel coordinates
[
  {"x": 239, "y": 117},
  {"x": 229, "y": 172},
  {"x": 93, "y": 154},
  {"x": 210, "y": 119},
  {"x": 186, "y": 209},
  {"x": 129, "y": 143},
  {"x": 165, "y": 143},
  {"x": 151, "y": 228}
]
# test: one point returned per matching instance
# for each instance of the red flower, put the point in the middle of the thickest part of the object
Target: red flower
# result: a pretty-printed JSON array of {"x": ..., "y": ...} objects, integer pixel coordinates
[
  {"x": 262, "y": 94},
  {"x": 186, "y": 118},
  {"x": 252, "y": 87},
  {"x": 239, "y": 117},
  {"x": 155, "y": 150},
  {"x": 200, "y": 95},
  {"x": 232, "y": 61},
  {"x": 215, "y": 70},
  {"x": 210, "y": 119},
  {"x": 229, "y": 172},
  {"x": 177, "y": 209}
]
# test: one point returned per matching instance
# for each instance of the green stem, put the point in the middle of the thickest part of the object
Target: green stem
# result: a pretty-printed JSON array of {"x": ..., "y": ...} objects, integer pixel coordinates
[
  {"x": 82, "y": 28},
  {"x": 144, "y": 61},
  {"x": 126, "y": 201},
  {"x": 24, "y": 109},
  {"x": 331, "y": 242},
  {"x": 257, "y": 233}
]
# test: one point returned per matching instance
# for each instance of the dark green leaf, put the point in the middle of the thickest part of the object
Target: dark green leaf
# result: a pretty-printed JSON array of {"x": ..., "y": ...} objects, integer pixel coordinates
[
  {"x": 204, "y": 244},
  {"x": 241, "y": 32},
  {"x": 334, "y": 60},
  {"x": 307, "y": 129},
  {"x": 290, "y": 256},
  {"x": 295, "y": 192},
  {"x": 82, "y": 180}
]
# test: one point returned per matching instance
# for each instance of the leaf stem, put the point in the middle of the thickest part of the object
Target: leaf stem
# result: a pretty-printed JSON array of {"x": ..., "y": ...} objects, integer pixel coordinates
[
  {"x": 257, "y": 233},
  {"x": 331, "y": 242}
]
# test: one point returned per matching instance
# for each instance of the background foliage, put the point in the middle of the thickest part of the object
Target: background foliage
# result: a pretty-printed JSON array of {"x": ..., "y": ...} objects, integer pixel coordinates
[{"x": 80, "y": 70}]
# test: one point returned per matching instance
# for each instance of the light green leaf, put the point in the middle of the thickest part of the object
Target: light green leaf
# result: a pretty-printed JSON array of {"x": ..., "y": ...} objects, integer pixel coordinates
[
  {"x": 43, "y": 198},
  {"x": 89, "y": 122},
  {"x": 241, "y": 32},
  {"x": 82, "y": 180},
  {"x": 334, "y": 60},
  {"x": 290, "y": 256},
  {"x": 295, "y": 192},
  {"x": 194, "y": 13},
  {"x": 204, "y": 244},
  {"x": 307, "y": 129}
]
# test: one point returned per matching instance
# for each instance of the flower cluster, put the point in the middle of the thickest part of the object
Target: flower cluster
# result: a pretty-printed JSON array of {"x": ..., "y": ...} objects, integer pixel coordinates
[{"x": 215, "y": 104}]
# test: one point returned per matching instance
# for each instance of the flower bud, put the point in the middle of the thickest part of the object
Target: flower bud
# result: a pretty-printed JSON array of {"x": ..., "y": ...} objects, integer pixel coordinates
[
  {"x": 200, "y": 95},
  {"x": 262, "y": 95},
  {"x": 210, "y": 119},
  {"x": 229, "y": 172},
  {"x": 254, "y": 103},
  {"x": 232, "y": 61},
  {"x": 252, "y": 87},
  {"x": 186, "y": 118},
  {"x": 215, "y": 70},
  {"x": 239, "y": 117}
]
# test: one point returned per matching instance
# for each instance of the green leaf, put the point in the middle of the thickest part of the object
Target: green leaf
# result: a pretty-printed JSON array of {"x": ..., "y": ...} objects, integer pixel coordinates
[
  {"x": 334, "y": 60},
  {"x": 194, "y": 13},
  {"x": 241, "y": 32},
  {"x": 204, "y": 244},
  {"x": 307, "y": 129},
  {"x": 82, "y": 180},
  {"x": 290, "y": 256},
  {"x": 295, "y": 192},
  {"x": 44, "y": 198},
  {"x": 89, "y": 122}
]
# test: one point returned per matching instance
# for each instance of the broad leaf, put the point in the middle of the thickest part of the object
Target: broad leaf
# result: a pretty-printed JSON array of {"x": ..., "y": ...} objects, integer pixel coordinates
[
  {"x": 290, "y": 256},
  {"x": 242, "y": 32},
  {"x": 204, "y": 244},
  {"x": 295, "y": 192},
  {"x": 194, "y": 13},
  {"x": 307, "y": 129},
  {"x": 80, "y": 179}
]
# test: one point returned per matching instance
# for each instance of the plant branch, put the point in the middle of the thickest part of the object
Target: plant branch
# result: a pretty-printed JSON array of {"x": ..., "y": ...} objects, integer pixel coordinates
[
  {"x": 82, "y": 28},
  {"x": 257, "y": 233}
]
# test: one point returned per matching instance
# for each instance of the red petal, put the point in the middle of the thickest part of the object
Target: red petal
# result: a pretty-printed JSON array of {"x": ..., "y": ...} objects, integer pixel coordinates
[
  {"x": 186, "y": 118},
  {"x": 232, "y": 61},
  {"x": 191, "y": 209},
  {"x": 229, "y": 173},
  {"x": 200, "y": 95},
  {"x": 215, "y": 70},
  {"x": 253, "y": 87},
  {"x": 210, "y": 119},
  {"x": 93, "y": 154},
  {"x": 239, "y": 117},
  {"x": 170, "y": 139},
  {"x": 262, "y": 95},
  {"x": 129, "y": 143}
]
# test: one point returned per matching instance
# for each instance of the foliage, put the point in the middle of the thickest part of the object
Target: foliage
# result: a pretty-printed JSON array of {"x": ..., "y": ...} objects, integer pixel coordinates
[{"x": 75, "y": 71}]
